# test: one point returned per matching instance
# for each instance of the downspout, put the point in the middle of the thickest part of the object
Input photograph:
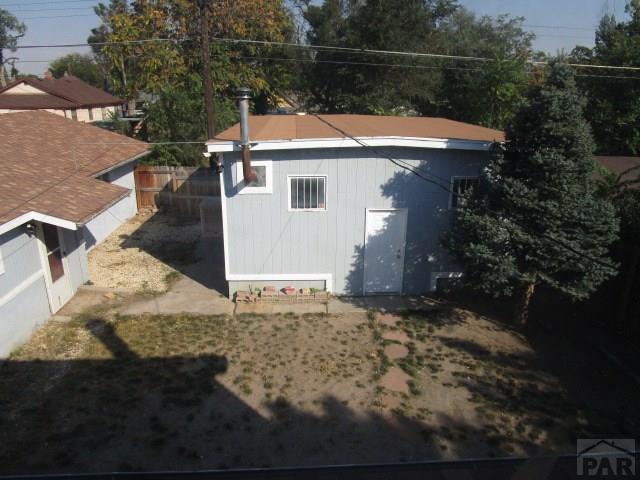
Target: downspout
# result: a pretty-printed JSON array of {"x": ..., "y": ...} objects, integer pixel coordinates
[{"x": 243, "y": 96}]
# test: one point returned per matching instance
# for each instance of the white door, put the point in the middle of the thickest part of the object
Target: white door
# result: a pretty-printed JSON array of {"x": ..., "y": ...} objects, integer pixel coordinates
[
  {"x": 55, "y": 265},
  {"x": 384, "y": 250}
]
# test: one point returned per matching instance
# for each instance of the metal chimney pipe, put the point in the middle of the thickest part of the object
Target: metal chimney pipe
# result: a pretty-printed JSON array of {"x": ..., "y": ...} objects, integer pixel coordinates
[{"x": 242, "y": 96}]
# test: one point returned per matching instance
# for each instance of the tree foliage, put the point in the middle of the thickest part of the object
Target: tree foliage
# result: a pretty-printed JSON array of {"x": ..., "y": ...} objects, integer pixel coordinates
[
  {"x": 171, "y": 70},
  {"x": 535, "y": 218},
  {"x": 80, "y": 65},
  {"x": 485, "y": 93},
  {"x": 11, "y": 29},
  {"x": 614, "y": 105}
]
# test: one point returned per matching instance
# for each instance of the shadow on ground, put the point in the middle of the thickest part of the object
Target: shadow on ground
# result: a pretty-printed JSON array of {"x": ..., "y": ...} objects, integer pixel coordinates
[
  {"x": 199, "y": 258},
  {"x": 172, "y": 413}
]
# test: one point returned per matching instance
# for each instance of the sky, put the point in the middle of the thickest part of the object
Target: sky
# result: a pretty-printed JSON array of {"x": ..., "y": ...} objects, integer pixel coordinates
[{"x": 71, "y": 22}]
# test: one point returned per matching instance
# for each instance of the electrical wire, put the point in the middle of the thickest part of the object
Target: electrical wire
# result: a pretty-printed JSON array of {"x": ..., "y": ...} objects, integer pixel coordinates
[
  {"x": 4, "y": 5},
  {"x": 447, "y": 189},
  {"x": 324, "y": 48}
]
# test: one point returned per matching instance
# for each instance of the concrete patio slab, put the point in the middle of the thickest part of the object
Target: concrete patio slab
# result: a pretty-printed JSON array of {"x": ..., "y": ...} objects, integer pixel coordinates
[
  {"x": 275, "y": 308},
  {"x": 389, "y": 319},
  {"x": 396, "y": 351},
  {"x": 186, "y": 296},
  {"x": 384, "y": 304},
  {"x": 395, "y": 380},
  {"x": 396, "y": 336}
]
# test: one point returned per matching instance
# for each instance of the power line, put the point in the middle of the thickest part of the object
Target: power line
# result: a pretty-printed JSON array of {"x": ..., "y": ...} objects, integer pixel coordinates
[
  {"x": 56, "y": 16},
  {"x": 390, "y": 65},
  {"x": 324, "y": 48},
  {"x": 51, "y": 9},
  {"x": 3, "y": 5},
  {"x": 560, "y": 27},
  {"x": 417, "y": 172}
]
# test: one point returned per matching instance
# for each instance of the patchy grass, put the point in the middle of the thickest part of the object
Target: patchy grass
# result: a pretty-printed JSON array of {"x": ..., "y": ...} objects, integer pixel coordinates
[{"x": 192, "y": 392}]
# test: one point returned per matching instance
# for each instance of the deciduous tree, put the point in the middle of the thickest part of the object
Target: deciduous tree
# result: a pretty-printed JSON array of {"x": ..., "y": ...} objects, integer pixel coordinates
[
  {"x": 11, "y": 29},
  {"x": 80, "y": 65}
]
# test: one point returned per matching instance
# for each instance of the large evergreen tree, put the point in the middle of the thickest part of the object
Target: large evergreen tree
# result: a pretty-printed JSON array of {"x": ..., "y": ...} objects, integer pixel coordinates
[{"x": 535, "y": 217}]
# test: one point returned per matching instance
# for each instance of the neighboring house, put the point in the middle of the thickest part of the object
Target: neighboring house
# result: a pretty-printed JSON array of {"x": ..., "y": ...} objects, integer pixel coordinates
[
  {"x": 68, "y": 97},
  {"x": 66, "y": 185},
  {"x": 626, "y": 169},
  {"x": 327, "y": 212}
]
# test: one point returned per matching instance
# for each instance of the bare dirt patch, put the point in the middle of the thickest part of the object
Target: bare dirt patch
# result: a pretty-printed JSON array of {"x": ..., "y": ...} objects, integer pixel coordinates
[
  {"x": 200, "y": 392},
  {"x": 142, "y": 254}
]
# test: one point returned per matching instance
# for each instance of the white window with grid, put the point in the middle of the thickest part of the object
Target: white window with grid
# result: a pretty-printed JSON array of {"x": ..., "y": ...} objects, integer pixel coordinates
[
  {"x": 307, "y": 193},
  {"x": 460, "y": 186}
]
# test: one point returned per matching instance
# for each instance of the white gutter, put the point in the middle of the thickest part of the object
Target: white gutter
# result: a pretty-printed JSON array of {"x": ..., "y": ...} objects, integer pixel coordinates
[{"x": 214, "y": 146}]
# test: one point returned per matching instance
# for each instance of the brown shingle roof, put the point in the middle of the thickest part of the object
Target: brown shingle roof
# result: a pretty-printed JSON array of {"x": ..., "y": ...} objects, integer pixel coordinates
[
  {"x": 299, "y": 127},
  {"x": 70, "y": 88},
  {"x": 48, "y": 165},
  {"x": 34, "y": 102}
]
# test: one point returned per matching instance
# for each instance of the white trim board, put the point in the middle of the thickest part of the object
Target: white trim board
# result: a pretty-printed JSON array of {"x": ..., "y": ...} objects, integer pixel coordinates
[
  {"x": 251, "y": 190},
  {"x": 415, "y": 142},
  {"x": 225, "y": 230},
  {"x": 38, "y": 217},
  {"x": 266, "y": 277}
]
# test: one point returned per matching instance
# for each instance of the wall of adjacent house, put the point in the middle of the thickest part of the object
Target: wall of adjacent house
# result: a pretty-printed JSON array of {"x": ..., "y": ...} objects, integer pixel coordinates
[
  {"x": 62, "y": 113},
  {"x": 95, "y": 114},
  {"x": 264, "y": 237},
  {"x": 23, "y": 89},
  {"x": 24, "y": 304},
  {"x": 100, "y": 227}
]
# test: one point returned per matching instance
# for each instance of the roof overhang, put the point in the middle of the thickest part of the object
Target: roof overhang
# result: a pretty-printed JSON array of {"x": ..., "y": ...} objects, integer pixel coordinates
[
  {"x": 120, "y": 164},
  {"x": 221, "y": 146},
  {"x": 38, "y": 217}
]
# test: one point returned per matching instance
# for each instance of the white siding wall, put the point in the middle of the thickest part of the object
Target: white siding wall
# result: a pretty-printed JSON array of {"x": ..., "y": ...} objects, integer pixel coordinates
[
  {"x": 101, "y": 226},
  {"x": 24, "y": 304},
  {"x": 264, "y": 237}
]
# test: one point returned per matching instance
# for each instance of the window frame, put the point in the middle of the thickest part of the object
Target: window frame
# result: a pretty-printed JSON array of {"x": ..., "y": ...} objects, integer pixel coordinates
[
  {"x": 310, "y": 175},
  {"x": 452, "y": 187},
  {"x": 247, "y": 190}
]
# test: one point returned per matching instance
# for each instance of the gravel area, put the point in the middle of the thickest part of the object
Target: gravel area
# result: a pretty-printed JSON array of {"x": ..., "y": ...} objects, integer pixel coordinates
[{"x": 144, "y": 254}]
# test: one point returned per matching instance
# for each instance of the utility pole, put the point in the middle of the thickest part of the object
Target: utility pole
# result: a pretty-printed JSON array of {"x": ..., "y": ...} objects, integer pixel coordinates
[{"x": 206, "y": 65}]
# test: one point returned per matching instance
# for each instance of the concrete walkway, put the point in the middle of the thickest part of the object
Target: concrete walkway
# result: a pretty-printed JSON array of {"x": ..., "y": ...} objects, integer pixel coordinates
[
  {"x": 186, "y": 296},
  {"x": 189, "y": 296}
]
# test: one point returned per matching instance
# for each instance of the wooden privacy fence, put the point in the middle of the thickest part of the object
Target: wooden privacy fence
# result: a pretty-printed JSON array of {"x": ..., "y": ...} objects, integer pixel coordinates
[
  {"x": 176, "y": 190},
  {"x": 185, "y": 192}
]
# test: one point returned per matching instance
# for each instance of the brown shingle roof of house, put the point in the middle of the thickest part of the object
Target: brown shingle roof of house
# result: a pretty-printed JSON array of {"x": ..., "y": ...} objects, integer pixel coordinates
[
  {"x": 301, "y": 127},
  {"x": 48, "y": 165},
  {"x": 34, "y": 102},
  {"x": 70, "y": 88},
  {"x": 628, "y": 168}
]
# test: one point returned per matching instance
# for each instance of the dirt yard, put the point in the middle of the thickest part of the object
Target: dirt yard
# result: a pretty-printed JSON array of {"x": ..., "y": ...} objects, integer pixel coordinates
[
  {"x": 186, "y": 392},
  {"x": 144, "y": 254}
]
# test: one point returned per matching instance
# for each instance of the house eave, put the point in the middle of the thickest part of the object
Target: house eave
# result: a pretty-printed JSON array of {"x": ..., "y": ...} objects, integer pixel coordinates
[
  {"x": 38, "y": 217},
  {"x": 217, "y": 146},
  {"x": 122, "y": 163}
]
